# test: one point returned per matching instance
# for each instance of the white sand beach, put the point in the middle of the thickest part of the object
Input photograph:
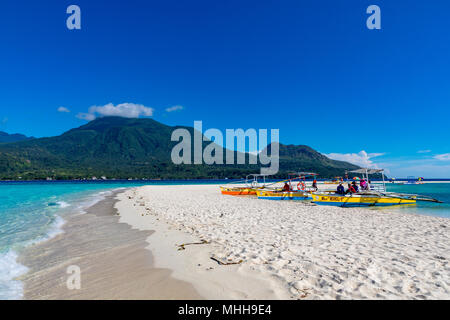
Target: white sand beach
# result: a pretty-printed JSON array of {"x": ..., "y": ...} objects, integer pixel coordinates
[{"x": 289, "y": 250}]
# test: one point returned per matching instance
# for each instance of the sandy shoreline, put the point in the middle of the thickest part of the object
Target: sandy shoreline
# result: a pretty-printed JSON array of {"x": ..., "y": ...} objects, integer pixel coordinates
[
  {"x": 282, "y": 250},
  {"x": 112, "y": 258}
]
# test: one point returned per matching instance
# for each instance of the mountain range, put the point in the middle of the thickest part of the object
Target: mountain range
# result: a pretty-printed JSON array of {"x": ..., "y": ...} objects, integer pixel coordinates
[
  {"x": 125, "y": 148},
  {"x": 6, "y": 137}
]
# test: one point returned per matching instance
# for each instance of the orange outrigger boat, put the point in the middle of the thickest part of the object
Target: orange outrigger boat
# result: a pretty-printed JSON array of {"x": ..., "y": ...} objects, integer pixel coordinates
[
  {"x": 238, "y": 191},
  {"x": 249, "y": 189}
]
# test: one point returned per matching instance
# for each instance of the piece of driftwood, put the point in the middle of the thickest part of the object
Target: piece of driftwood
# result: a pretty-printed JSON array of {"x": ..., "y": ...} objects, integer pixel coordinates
[
  {"x": 226, "y": 263},
  {"x": 182, "y": 246},
  {"x": 304, "y": 292}
]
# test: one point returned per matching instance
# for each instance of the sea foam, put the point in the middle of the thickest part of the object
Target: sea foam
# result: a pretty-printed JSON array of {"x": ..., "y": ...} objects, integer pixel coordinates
[{"x": 10, "y": 288}]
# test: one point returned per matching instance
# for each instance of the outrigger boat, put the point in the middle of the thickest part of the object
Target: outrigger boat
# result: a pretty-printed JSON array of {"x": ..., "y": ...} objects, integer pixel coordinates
[
  {"x": 302, "y": 193},
  {"x": 361, "y": 200},
  {"x": 413, "y": 180},
  {"x": 376, "y": 195},
  {"x": 251, "y": 182}
]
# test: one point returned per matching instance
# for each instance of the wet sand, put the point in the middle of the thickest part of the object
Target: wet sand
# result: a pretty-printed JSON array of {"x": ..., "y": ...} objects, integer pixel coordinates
[{"x": 112, "y": 258}]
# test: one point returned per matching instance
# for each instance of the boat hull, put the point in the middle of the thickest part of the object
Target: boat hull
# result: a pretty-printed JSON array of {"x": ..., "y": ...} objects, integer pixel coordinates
[
  {"x": 238, "y": 191},
  {"x": 359, "y": 201},
  {"x": 283, "y": 195}
]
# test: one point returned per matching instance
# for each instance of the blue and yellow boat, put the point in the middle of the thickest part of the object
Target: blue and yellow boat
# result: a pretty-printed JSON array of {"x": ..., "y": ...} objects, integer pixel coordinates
[
  {"x": 283, "y": 195},
  {"x": 373, "y": 195},
  {"x": 361, "y": 200}
]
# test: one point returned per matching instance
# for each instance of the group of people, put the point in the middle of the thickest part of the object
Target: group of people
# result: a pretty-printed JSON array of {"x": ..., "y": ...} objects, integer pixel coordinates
[
  {"x": 300, "y": 186},
  {"x": 353, "y": 187}
]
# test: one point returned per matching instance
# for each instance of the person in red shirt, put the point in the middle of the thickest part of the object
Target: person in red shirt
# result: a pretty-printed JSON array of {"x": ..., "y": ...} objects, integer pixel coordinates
[
  {"x": 286, "y": 187},
  {"x": 350, "y": 189}
]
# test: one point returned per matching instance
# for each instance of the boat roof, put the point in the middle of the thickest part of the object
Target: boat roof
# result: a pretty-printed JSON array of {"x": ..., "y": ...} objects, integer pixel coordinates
[
  {"x": 367, "y": 170},
  {"x": 303, "y": 173},
  {"x": 259, "y": 175}
]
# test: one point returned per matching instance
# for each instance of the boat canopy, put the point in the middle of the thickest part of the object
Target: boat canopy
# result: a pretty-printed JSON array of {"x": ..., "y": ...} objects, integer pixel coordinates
[
  {"x": 258, "y": 175},
  {"x": 254, "y": 179},
  {"x": 367, "y": 171},
  {"x": 303, "y": 174}
]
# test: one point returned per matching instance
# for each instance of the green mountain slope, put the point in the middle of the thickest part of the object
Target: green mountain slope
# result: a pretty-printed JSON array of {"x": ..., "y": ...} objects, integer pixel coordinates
[{"x": 134, "y": 148}]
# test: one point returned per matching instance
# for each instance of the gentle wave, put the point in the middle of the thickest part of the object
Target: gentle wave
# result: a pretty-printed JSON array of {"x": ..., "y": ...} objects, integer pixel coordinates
[
  {"x": 10, "y": 289},
  {"x": 94, "y": 199},
  {"x": 63, "y": 204}
]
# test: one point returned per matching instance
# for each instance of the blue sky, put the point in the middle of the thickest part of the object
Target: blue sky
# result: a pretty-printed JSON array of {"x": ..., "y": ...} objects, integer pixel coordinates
[{"x": 309, "y": 68}]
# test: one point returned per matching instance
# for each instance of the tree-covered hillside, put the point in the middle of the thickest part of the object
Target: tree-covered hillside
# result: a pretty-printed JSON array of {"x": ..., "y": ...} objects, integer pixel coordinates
[{"x": 124, "y": 148}]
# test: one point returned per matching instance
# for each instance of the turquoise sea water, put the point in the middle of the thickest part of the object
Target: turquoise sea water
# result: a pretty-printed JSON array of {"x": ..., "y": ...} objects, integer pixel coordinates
[
  {"x": 440, "y": 191},
  {"x": 34, "y": 211}
]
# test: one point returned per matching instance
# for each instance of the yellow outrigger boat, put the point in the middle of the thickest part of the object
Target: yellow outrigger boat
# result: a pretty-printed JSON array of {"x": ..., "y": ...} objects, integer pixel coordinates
[
  {"x": 282, "y": 195},
  {"x": 302, "y": 192},
  {"x": 238, "y": 191},
  {"x": 361, "y": 200},
  {"x": 251, "y": 186},
  {"x": 376, "y": 195}
]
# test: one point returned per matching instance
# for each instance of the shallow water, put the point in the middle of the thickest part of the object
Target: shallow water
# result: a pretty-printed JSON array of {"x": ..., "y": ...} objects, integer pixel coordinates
[
  {"x": 31, "y": 212},
  {"x": 440, "y": 191}
]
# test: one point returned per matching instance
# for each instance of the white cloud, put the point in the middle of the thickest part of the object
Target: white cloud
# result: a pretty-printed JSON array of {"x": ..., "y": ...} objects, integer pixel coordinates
[
  {"x": 362, "y": 158},
  {"x": 424, "y": 151},
  {"x": 125, "y": 110},
  {"x": 86, "y": 116},
  {"x": 174, "y": 108},
  {"x": 442, "y": 157},
  {"x": 63, "y": 109}
]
